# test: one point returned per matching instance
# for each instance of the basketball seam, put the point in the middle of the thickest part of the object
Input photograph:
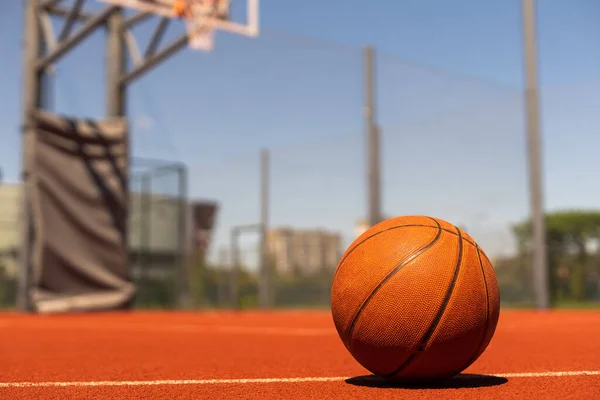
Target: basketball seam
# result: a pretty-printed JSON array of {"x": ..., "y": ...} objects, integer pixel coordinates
[
  {"x": 487, "y": 313},
  {"x": 482, "y": 253},
  {"x": 434, "y": 324},
  {"x": 387, "y": 278},
  {"x": 344, "y": 257},
  {"x": 397, "y": 227}
]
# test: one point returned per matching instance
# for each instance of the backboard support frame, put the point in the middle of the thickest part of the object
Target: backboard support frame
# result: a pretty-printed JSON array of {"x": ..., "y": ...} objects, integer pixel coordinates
[{"x": 43, "y": 48}]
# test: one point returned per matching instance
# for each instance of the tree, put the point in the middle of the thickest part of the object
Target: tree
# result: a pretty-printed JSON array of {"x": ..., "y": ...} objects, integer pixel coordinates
[
  {"x": 8, "y": 289},
  {"x": 569, "y": 234}
]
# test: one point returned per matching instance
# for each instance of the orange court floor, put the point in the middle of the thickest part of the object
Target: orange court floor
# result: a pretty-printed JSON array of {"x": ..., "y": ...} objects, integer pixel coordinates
[{"x": 275, "y": 355}]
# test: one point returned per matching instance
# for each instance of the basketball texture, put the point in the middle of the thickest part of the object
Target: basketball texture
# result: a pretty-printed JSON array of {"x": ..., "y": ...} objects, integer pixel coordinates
[{"x": 415, "y": 298}]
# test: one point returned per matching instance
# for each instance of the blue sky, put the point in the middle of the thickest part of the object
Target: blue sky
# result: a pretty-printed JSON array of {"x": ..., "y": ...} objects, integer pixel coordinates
[{"x": 449, "y": 78}]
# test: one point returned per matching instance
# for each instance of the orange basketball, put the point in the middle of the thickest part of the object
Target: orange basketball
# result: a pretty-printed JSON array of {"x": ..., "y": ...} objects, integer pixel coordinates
[{"x": 415, "y": 298}]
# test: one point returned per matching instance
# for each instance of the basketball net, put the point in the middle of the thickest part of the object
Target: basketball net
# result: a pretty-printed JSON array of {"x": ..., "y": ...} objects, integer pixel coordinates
[{"x": 198, "y": 15}]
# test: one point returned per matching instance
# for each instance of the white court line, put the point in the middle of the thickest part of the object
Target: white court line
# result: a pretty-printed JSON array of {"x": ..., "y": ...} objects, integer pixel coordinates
[
  {"x": 258, "y": 380},
  {"x": 547, "y": 374}
]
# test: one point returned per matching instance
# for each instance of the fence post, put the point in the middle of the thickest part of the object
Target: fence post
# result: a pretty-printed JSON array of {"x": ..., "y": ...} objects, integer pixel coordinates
[
  {"x": 235, "y": 270},
  {"x": 220, "y": 276},
  {"x": 540, "y": 263},
  {"x": 184, "y": 242},
  {"x": 264, "y": 283},
  {"x": 145, "y": 229},
  {"x": 372, "y": 142}
]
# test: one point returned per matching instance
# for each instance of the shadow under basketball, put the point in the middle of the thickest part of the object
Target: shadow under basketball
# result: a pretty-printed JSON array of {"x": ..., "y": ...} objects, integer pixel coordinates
[{"x": 462, "y": 381}]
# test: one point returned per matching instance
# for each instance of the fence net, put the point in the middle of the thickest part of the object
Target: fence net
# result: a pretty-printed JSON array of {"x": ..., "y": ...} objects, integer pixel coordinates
[
  {"x": 453, "y": 146},
  {"x": 157, "y": 232}
]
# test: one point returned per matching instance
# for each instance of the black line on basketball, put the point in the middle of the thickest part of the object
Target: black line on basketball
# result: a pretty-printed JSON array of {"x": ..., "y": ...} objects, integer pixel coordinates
[
  {"x": 487, "y": 313},
  {"x": 388, "y": 277},
  {"x": 397, "y": 227},
  {"x": 423, "y": 342},
  {"x": 391, "y": 228}
]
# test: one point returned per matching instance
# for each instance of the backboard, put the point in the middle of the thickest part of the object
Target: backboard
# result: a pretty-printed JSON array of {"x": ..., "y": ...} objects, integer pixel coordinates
[{"x": 201, "y": 17}]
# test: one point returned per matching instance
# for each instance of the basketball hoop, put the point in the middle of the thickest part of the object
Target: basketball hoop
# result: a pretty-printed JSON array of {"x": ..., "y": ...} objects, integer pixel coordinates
[{"x": 200, "y": 17}]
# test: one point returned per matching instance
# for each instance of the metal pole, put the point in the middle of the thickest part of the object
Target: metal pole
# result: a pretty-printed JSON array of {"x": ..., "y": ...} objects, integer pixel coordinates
[
  {"x": 540, "y": 262},
  {"x": 323, "y": 274},
  {"x": 264, "y": 219},
  {"x": 184, "y": 238},
  {"x": 32, "y": 99},
  {"x": 235, "y": 270},
  {"x": 86, "y": 30},
  {"x": 220, "y": 275},
  {"x": 372, "y": 142},
  {"x": 116, "y": 65},
  {"x": 145, "y": 226}
]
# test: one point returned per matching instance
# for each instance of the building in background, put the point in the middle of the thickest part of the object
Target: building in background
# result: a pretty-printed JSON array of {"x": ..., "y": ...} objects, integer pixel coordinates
[{"x": 304, "y": 251}]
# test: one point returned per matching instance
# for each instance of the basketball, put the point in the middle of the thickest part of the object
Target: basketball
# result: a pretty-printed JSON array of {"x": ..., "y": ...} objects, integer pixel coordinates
[{"x": 414, "y": 298}]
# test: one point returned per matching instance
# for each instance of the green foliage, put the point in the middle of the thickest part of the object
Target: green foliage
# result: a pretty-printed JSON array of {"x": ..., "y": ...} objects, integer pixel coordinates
[
  {"x": 514, "y": 280},
  {"x": 212, "y": 287},
  {"x": 8, "y": 289},
  {"x": 574, "y": 268},
  {"x": 156, "y": 294},
  {"x": 215, "y": 289},
  {"x": 569, "y": 223},
  {"x": 248, "y": 289},
  {"x": 196, "y": 281},
  {"x": 158, "y": 290},
  {"x": 304, "y": 290}
]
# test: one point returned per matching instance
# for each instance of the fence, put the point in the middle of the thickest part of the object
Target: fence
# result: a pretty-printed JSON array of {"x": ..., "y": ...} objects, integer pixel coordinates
[
  {"x": 453, "y": 146},
  {"x": 157, "y": 232}
]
